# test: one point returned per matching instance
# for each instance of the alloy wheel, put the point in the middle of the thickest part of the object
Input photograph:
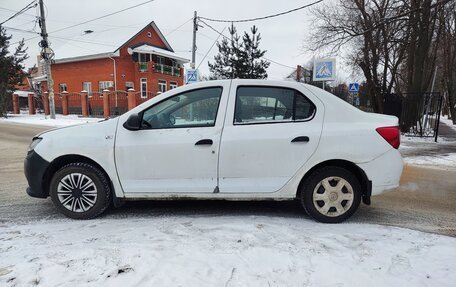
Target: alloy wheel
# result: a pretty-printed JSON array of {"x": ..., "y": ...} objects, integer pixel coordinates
[{"x": 77, "y": 192}]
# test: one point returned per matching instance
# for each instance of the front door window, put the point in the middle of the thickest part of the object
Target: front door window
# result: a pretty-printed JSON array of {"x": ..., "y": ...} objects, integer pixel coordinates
[{"x": 197, "y": 108}]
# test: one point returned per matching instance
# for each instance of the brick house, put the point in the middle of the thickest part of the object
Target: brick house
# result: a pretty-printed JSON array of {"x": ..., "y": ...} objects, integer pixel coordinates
[{"x": 117, "y": 61}]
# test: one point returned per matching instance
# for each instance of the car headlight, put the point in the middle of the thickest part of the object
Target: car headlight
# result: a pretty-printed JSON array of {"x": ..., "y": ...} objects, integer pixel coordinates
[{"x": 34, "y": 143}]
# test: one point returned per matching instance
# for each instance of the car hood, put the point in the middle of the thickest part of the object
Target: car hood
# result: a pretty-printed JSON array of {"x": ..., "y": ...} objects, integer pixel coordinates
[
  {"x": 76, "y": 127},
  {"x": 80, "y": 129}
]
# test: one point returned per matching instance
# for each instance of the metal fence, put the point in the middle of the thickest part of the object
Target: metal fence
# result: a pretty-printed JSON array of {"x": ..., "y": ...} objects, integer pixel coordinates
[
  {"x": 418, "y": 113},
  {"x": 118, "y": 102}
]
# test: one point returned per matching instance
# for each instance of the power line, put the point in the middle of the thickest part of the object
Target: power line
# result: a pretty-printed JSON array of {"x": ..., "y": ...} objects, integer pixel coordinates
[
  {"x": 267, "y": 59},
  {"x": 101, "y": 17},
  {"x": 211, "y": 48},
  {"x": 29, "y": 6},
  {"x": 175, "y": 29},
  {"x": 277, "y": 63},
  {"x": 83, "y": 41},
  {"x": 91, "y": 20},
  {"x": 264, "y": 17},
  {"x": 20, "y": 30},
  {"x": 20, "y": 25},
  {"x": 15, "y": 11}
]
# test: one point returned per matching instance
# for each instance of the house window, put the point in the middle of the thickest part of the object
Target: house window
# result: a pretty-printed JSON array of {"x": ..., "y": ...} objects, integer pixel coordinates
[
  {"x": 105, "y": 85},
  {"x": 160, "y": 60},
  {"x": 129, "y": 85},
  {"x": 149, "y": 34},
  {"x": 172, "y": 85},
  {"x": 63, "y": 87},
  {"x": 161, "y": 86},
  {"x": 175, "y": 64},
  {"x": 143, "y": 88},
  {"x": 143, "y": 58},
  {"x": 87, "y": 86}
]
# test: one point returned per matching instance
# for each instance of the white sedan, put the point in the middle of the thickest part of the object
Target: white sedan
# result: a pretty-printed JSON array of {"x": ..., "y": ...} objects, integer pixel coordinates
[{"x": 230, "y": 140}]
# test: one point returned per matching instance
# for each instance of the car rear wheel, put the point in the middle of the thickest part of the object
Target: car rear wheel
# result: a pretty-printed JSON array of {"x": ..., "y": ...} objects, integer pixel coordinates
[
  {"x": 80, "y": 191},
  {"x": 331, "y": 194}
]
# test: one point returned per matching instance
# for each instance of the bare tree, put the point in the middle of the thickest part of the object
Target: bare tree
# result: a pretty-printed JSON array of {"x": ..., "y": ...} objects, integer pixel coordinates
[
  {"x": 393, "y": 42},
  {"x": 448, "y": 56},
  {"x": 423, "y": 40},
  {"x": 375, "y": 32}
]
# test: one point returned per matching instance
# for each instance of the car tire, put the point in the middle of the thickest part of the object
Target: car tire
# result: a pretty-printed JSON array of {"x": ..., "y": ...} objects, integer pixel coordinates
[
  {"x": 330, "y": 194},
  {"x": 80, "y": 191}
]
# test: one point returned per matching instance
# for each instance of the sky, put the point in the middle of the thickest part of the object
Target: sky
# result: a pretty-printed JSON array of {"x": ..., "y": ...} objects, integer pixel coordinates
[{"x": 282, "y": 37}]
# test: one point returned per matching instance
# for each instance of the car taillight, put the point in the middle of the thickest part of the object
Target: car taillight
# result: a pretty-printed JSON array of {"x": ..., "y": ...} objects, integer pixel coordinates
[{"x": 391, "y": 135}]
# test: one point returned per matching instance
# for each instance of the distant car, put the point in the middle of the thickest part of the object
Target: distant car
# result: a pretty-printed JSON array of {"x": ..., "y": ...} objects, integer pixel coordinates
[{"x": 230, "y": 140}]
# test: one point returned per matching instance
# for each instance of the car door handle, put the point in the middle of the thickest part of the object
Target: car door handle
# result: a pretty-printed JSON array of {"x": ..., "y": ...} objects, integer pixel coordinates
[
  {"x": 300, "y": 139},
  {"x": 204, "y": 142}
]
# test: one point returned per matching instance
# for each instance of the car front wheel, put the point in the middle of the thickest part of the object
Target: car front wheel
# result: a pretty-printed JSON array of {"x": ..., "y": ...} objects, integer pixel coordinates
[
  {"x": 80, "y": 191},
  {"x": 331, "y": 194}
]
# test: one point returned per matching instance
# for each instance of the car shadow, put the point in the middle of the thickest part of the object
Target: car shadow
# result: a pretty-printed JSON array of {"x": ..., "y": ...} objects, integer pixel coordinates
[{"x": 153, "y": 208}]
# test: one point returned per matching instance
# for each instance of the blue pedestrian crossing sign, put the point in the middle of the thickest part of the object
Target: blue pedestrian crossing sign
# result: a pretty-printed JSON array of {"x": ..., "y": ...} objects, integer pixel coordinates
[
  {"x": 192, "y": 76},
  {"x": 324, "y": 70},
  {"x": 353, "y": 87}
]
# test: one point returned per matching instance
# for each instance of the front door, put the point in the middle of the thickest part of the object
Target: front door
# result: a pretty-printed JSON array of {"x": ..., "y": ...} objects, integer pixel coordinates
[{"x": 176, "y": 150}]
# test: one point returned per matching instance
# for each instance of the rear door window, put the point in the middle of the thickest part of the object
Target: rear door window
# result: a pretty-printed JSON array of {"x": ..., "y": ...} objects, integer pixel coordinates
[{"x": 271, "y": 104}]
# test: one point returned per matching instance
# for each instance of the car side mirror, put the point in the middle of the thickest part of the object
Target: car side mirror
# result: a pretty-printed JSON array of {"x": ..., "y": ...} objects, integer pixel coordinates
[{"x": 133, "y": 122}]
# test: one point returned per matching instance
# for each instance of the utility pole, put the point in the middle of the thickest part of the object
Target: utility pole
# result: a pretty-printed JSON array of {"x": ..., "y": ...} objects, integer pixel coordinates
[
  {"x": 47, "y": 55},
  {"x": 195, "y": 28}
]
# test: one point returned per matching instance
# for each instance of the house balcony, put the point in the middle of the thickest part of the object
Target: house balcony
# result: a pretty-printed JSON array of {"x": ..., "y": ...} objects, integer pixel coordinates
[{"x": 159, "y": 68}]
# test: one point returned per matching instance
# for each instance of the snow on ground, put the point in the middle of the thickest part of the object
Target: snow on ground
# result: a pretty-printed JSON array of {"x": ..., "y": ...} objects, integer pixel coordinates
[
  {"x": 424, "y": 151},
  {"x": 41, "y": 120},
  {"x": 448, "y": 160},
  {"x": 221, "y": 251},
  {"x": 407, "y": 140}
]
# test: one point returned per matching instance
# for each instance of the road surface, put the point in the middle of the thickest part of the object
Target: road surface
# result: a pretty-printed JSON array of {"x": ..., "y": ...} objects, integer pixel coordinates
[{"x": 425, "y": 201}]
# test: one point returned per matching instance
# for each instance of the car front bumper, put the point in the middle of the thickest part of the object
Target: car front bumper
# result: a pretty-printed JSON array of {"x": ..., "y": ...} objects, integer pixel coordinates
[{"x": 34, "y": 169}]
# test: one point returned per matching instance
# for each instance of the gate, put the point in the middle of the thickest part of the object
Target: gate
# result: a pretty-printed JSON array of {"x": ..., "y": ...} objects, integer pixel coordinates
[
  {"x": 74, "y": 103},
  {"x": 118, "y": 103},
  {"x": 96, "y": 104}
]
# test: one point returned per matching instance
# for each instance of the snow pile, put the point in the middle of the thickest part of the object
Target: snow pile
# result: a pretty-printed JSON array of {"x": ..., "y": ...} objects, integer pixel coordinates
[
  {"x": 415, "y": 140},
  {"x": 221, "y": 251},
  {"x": 448, "y": 160},
  {"x": 41, "y": 120}
]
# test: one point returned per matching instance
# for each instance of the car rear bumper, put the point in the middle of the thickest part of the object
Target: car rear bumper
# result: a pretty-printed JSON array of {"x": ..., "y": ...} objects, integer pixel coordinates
[
  {"x": 384, "y": 171},
  {"x": 34, "y": 168}
]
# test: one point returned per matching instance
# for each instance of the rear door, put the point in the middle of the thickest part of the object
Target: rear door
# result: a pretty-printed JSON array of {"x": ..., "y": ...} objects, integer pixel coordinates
[{"x": 269, "y": 133}]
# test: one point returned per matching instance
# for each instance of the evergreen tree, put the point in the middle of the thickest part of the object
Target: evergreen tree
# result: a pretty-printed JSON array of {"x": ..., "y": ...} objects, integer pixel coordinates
[
  {"x": 239, "y": 59},
  {"x": 253, "y": 67},
  {"x": 11, "y": 69},
  {"x": 225, "y": 64}
]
